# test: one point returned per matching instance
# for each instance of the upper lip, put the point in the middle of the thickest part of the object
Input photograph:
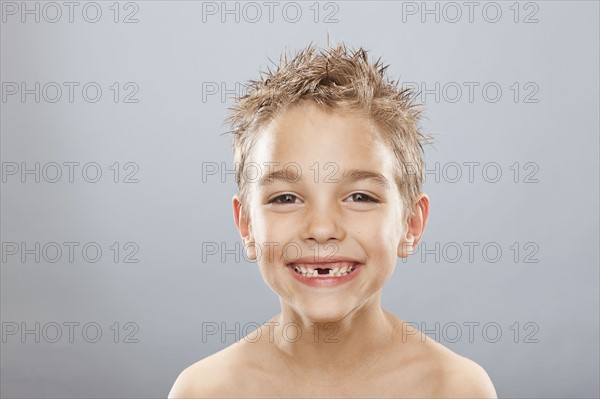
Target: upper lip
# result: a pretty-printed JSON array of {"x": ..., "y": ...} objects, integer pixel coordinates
[{"x": 323, "y": 259}]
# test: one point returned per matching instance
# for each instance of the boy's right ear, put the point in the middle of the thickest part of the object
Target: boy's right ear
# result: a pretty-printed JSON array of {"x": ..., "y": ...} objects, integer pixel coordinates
[{"x": 244, "y": 227}]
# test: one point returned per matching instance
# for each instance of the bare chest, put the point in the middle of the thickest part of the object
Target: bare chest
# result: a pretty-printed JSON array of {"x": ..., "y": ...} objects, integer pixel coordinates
[{"x": 396, "y": 383}]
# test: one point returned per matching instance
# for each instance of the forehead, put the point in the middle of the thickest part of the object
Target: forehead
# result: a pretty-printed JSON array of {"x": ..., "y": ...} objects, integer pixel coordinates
[{"x": 306, "y": 134}]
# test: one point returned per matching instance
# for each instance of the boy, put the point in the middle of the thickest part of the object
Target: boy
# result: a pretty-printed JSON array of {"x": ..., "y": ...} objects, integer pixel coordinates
[{"x": 335, "y": 201}]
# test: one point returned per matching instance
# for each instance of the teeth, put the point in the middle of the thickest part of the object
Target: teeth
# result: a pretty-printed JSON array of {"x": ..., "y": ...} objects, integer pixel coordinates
[{"x": 344, "y": 269}]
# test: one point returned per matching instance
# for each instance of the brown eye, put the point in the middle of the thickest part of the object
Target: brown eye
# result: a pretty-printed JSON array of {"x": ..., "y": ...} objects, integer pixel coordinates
[
  {"x": 362, "y": 197},
  {"x": 283, "y": 199}
]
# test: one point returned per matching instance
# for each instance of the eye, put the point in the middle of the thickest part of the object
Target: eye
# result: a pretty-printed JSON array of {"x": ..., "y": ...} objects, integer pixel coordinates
[
  {"x": 362, "y": 197},
  {"x": 283, "y": 199}
]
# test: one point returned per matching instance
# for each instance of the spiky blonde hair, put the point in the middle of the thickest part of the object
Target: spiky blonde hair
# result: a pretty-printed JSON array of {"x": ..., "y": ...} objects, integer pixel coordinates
[{"x": 336, "y": 79}]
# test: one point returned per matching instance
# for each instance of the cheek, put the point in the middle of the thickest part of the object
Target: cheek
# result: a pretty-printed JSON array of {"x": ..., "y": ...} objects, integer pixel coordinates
[
  {"x": 273, "y": 228},
  {"x": 275, "y": 238},
  {"x": 382, "y": 224},
  {"x": 383, "y": 237}
]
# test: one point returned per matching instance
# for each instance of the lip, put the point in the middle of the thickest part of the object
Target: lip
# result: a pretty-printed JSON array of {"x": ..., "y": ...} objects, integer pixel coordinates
[
  {"x": 323, "y": 259},
  {"x": 325, "y": 281}
]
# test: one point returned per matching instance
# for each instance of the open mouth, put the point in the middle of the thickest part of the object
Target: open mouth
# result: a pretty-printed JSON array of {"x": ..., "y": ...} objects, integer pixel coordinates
[{"x": 338, "y": 269}]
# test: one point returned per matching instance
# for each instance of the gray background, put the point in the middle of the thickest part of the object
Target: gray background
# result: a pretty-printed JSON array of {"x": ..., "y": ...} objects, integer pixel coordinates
[{"x": 171, "y": 214}]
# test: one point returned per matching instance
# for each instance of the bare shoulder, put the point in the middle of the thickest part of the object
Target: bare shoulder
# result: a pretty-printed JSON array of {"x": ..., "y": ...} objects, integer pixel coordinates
[
  {"x": 433, "y": 370},
  {"x": 210, "y": 377},
  {"x": 460, "y": 377}
]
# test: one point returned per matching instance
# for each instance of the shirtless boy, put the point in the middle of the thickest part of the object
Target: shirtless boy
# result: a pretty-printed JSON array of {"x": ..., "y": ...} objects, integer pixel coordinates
[{"x": 337, "y": 199}]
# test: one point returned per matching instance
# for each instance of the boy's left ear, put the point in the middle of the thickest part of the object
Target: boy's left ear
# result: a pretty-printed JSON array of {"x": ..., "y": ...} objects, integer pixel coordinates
[{"x": 415, "y": 226}]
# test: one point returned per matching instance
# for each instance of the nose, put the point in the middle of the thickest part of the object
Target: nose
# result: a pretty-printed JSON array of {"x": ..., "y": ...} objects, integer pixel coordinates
[{"x": 323, "y": 224}]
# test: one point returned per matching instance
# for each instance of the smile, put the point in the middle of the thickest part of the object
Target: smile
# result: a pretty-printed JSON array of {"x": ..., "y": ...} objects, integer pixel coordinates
[{"x": 324, "y": 270}]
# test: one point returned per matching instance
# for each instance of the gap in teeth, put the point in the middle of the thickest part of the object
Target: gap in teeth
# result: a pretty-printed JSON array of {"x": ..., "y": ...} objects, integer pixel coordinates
[{"x": 336, "y": 272}]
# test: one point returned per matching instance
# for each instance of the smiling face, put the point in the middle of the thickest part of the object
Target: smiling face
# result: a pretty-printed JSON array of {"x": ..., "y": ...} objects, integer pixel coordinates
[{"x": 326, "y": 191}]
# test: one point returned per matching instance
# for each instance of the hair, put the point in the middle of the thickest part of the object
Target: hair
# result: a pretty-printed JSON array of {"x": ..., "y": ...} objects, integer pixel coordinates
[{"x": 335, "y": 79}]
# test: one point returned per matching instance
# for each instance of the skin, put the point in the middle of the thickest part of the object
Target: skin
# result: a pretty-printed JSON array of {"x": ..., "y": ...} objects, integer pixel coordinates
[{"x": 342, "y": 343}]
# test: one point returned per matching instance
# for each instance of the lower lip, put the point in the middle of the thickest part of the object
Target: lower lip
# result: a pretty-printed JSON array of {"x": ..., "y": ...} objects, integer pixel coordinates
[{"x": 325, "y": 281}]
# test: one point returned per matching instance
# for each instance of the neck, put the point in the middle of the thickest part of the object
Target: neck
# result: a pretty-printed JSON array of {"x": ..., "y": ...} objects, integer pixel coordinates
[{"x": 322, "y": 348}]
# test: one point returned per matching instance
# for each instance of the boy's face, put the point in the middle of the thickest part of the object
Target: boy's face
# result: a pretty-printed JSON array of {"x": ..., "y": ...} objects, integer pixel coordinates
[{"x": 319, "y": 214}]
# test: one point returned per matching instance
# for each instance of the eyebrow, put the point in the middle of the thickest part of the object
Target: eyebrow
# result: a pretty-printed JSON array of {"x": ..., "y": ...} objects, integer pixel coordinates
[
  {"x": 356, "y": 175},
  {"x": 349, "y": 176}
]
